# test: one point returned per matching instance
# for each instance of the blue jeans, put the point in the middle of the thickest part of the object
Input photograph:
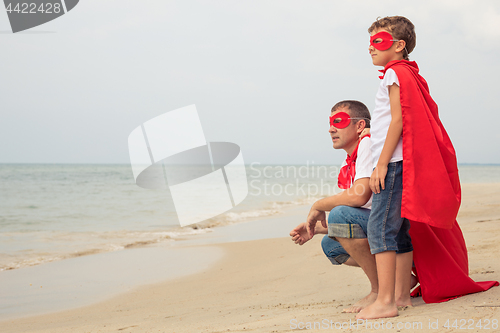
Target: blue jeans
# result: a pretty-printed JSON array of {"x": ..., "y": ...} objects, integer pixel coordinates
[
  {"x": 387, "y": 230},
  {"x": 344, "y": 222}
]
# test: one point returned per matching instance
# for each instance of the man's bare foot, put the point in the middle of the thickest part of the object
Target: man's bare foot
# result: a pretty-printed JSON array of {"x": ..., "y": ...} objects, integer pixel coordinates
[
  {"x": 378, "y": 310},
  {"x": 414, "y": 281},
  {"x": 361, "y": 304}
]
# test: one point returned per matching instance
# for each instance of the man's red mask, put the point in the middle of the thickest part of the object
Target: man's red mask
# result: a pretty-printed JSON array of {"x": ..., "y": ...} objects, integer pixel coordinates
[
  {"x": 340, "y": 120},
  {"x": 386, "y": 42}
]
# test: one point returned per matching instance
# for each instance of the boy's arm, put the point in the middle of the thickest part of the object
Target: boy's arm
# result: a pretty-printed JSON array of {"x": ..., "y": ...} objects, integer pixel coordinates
[
  {"x": 355, "y": 196},
  {"x": 377, "y": 179}
]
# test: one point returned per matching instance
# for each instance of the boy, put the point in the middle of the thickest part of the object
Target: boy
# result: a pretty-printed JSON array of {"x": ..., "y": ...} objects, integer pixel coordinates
[
  {"x": 407, "y": 139},
  {"x": 388, "y": 232}
]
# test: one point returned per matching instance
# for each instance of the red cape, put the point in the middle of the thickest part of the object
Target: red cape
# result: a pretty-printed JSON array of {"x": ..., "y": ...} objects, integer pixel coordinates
[{"x": 431, "y": 193}]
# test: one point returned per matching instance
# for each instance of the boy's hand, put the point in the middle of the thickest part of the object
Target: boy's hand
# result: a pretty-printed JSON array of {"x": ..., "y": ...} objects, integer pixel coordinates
[
  {"x": 314, "y": 216},
  {"x": 377, "y": 180},
  {"x": 300, "y": 235},
  {"x": 366, "y": 131}
]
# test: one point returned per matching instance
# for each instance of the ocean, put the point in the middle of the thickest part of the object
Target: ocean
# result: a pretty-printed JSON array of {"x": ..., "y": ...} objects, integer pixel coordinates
[{"x": 52, "y": 212}]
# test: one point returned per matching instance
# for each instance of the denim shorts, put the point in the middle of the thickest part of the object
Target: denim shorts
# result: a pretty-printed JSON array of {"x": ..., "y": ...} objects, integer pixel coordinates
[
  {"x": 343, "y": 222},
  {"x": 387, "y": 230}
]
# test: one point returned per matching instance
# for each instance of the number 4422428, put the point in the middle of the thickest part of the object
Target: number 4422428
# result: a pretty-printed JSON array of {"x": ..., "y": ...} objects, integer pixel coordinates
[
  {"x": 33, "y": 8},
  {"x": 470, "y": 324}
]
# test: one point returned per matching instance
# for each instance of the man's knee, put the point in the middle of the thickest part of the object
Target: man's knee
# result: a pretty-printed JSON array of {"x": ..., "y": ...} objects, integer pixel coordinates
[
  {"x": 339, "y": 214},
  {"x": 348, "y": 222}
]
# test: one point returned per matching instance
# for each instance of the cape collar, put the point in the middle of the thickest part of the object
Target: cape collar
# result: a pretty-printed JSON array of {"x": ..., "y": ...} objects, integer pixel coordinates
[
  {"x": 348, "y": 172},
  {"x": 412, "y": 64}
]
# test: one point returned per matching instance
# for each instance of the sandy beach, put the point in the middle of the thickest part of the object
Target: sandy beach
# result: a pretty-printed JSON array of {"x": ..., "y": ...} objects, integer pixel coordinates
[{"x": 273, "y": 285}]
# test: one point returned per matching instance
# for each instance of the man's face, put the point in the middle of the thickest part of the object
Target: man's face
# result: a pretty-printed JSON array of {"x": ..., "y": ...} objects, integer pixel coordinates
[{"x": 343, "y": 138}]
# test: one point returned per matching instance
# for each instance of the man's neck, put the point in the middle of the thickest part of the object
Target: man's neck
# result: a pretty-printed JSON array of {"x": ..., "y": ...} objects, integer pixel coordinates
[{"x": 350, "y": 149}]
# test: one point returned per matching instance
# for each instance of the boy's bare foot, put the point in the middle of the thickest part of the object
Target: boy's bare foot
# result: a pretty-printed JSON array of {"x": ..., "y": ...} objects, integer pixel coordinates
[
  {"x": 378, "y": 310},
  {"x": 405, "y": 300},
  {"x": 361, "y": 304}
]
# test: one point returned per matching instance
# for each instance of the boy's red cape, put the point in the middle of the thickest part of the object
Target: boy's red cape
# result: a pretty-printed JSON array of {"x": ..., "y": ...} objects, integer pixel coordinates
[{"x": 431, "y": 193}]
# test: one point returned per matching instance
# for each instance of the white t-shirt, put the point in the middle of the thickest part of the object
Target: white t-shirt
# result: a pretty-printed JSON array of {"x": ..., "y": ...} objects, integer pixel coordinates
[
  {"x": 364, "y": 166},
  {"x": 381, "y": 119}
]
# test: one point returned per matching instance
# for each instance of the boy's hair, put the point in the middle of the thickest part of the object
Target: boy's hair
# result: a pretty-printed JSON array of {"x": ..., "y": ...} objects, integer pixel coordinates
[
  {"x": 400, "y": 28},
  {"x": 357, "y": 110}
]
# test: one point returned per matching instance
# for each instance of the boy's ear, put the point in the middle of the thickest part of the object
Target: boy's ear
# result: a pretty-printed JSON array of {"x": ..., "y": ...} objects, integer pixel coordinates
[{"x": 401, "y": 45}]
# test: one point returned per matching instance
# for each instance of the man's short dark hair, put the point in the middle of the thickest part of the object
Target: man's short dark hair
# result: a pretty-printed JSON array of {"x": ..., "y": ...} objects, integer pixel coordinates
[{"x": 357, "y": 110}]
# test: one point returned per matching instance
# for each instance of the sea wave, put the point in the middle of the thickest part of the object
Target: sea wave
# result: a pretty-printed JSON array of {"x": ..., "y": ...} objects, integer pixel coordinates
[
  {"x": 83, "y": 244},
  {"x": 30, "y": 247},
  {"x": 272, "y": 208}
]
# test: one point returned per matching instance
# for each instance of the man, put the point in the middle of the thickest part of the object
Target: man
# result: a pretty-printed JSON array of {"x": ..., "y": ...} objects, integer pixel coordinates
[{"x": 346, "y": 242}]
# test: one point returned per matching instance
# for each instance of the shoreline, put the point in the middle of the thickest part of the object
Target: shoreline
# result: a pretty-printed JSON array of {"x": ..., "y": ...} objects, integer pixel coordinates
[
  {"x": 85, "y": 280},
  {"x": 268, "y": 284},
  {"x": 88, "y": 280}
]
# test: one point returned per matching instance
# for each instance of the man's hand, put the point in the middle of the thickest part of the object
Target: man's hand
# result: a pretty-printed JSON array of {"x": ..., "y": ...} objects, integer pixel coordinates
[
  {"x": 377, "y": 180},
  {"x": 314, "y": 216},
  {"x": 300, "y": 235}
]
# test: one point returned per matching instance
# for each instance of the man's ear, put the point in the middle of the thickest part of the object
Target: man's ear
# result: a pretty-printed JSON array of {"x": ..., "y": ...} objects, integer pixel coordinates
[{"x": 360, "y": 126}]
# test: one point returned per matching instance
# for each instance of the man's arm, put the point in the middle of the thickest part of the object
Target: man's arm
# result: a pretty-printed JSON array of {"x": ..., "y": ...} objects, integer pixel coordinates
[
  {"x": 300, "y": 234},
  {"x": 355, "y": 196}
]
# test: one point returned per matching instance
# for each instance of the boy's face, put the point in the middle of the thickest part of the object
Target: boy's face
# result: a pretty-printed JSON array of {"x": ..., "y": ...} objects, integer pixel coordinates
[
  {"x": 344, "y": 138},
  {"x": 382, "y": 57}
]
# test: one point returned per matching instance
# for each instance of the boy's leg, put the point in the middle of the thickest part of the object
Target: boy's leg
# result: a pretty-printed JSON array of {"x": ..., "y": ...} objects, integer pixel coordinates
[
  {"x": 383, "y": 227},
  {"x": 385, "y": 304},
  {"x": 404, "y": 263}
]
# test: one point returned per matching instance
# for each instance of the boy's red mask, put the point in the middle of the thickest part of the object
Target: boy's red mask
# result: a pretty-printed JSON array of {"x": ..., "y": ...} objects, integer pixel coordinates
[
  {"x": 386, "y": 42},
  {"x": 340, "y": 120}
]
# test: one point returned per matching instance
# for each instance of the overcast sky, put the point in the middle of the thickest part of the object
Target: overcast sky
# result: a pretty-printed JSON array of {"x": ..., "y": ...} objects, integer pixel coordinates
[{"x": 263, "y": 74}]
